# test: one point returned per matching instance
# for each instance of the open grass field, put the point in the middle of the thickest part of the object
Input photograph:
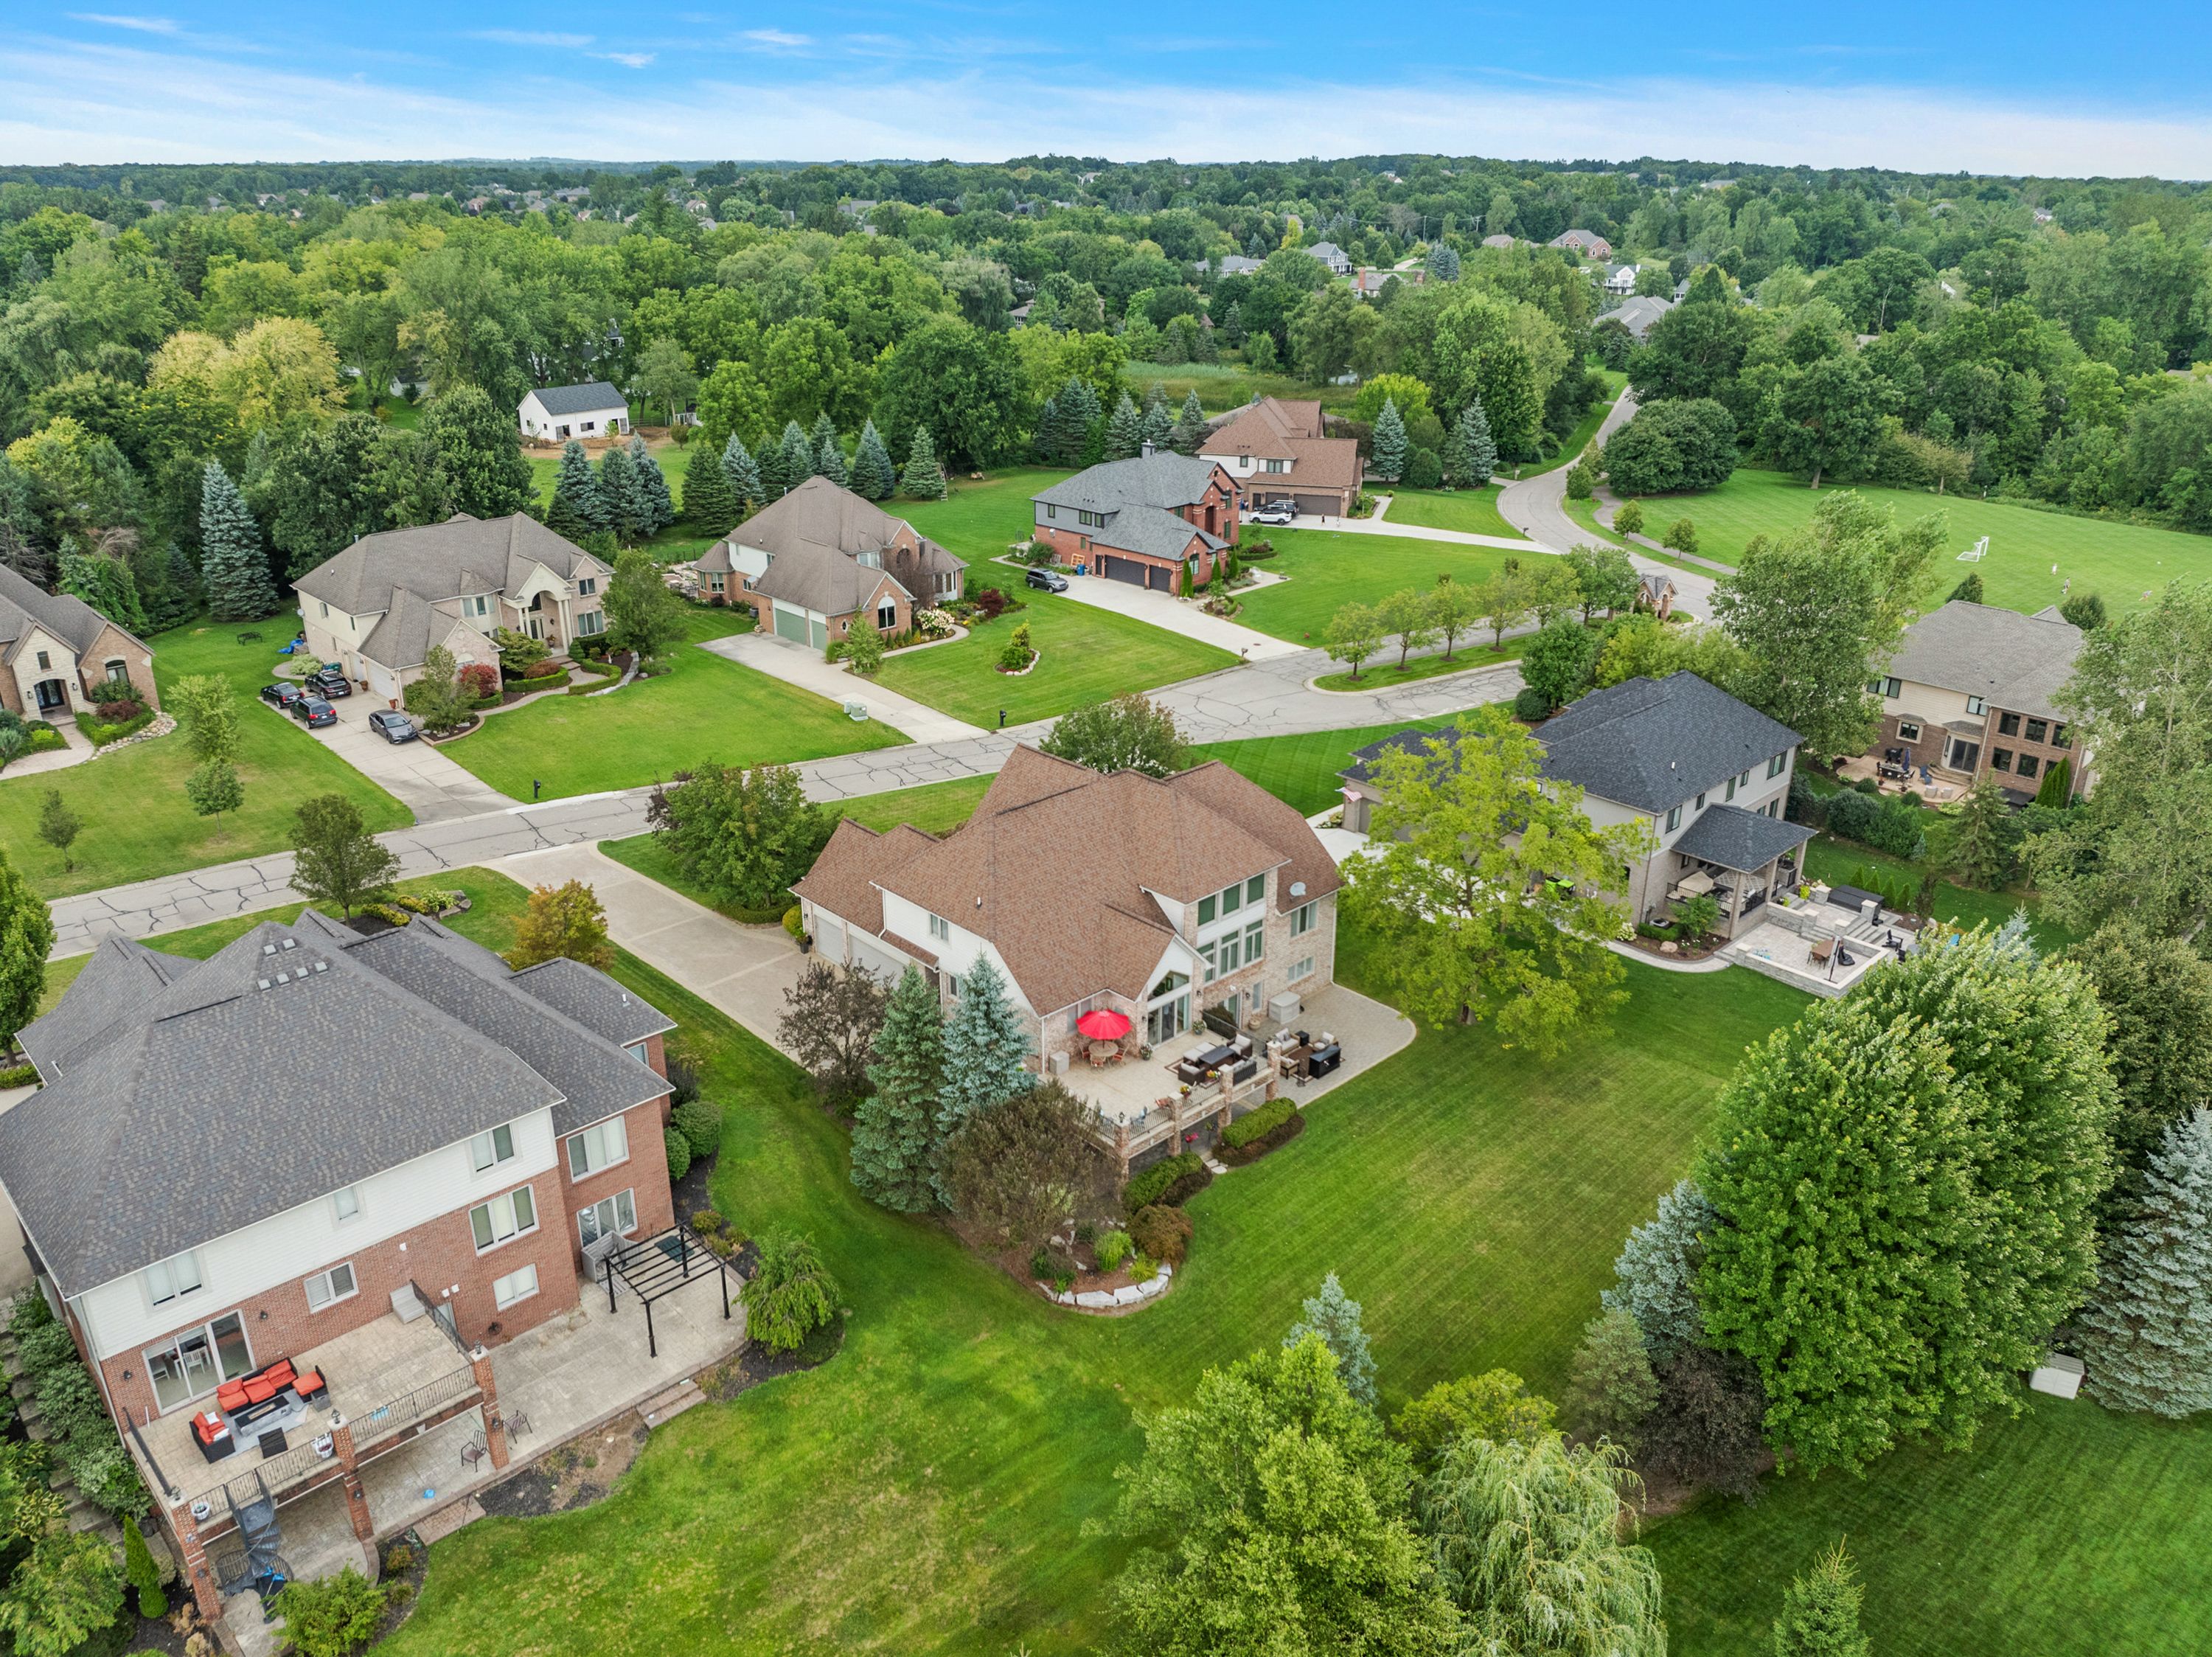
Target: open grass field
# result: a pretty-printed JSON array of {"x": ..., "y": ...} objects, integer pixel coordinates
[
  {"x": 1325, "y": 569},
  {"x": 704, "y": 708},
  {"x": 137, "y": 823},
  {"x": 1222, "y": 385},
  {"x": 1086, "y": 654},
  {"x": 1302, "y": 770},
  {"x": 2120, "y": 561},
  {"x": 979, "y": 522},
  {"x": 1470, "y": 511}
]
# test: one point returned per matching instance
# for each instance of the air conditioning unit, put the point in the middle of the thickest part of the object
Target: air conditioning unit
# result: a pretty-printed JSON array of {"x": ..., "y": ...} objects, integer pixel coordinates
[{"x": 1059, "y": 1064}]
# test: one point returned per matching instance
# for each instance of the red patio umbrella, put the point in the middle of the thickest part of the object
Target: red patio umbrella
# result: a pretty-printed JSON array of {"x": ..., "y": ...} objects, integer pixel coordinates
[{"x": 1104, "y": 1025}]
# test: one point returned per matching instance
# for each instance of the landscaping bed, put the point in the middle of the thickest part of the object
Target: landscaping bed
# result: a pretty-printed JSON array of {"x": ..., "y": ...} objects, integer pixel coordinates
[
  {"x": 1251, "y": 1136},
  {"x": 568, "y": 1476}
]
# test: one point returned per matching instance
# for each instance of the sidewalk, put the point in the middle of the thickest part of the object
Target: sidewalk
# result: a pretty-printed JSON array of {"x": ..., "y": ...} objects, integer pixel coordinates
[
  {"x": 802, "y": 665},
  {"x": 79, "y": 750}
]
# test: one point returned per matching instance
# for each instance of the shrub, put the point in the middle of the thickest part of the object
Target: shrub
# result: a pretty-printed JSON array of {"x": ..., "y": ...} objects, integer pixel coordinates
[
  {"x": 1040, "y": 1263},
  {"x": 1531, "y": 704},
  {"x": 1497, "y": 1405},
  {"x": 139, "y": 1570},
  {"x": 1629, "y": 519},
  {"x": 1681, "y": 535},
  {"x": 709, "y": 1222},
  {"x": 1113, "y": 1249},
  {"x": 123, "y": 708},
  {"x": 1582, "y": 482},
  {"x": 1805, "y": 805},
  {"x": 700, "y": 1123},
  {"x": 1252, "y": 1149},
  {"x": 1018, "y": 652},
  {"x": 793, "y": 922},
  {"x": 19, "y": 1075},
  {"x": 1252, "y": 551},
  {"x": 1424, "y": 470},
  {"x": 1173, "y": 1180},
  {"x": 1163, "y": 1233},
  {"x": 480, "y": 681},
  {"x": 791, "y": 1295},
  {"x": 544, "y": 670},
  {"x": 331, "y": 1618},
  {"x": 1252, "y": 1125},
  {"x": 679, "y": 1153}
]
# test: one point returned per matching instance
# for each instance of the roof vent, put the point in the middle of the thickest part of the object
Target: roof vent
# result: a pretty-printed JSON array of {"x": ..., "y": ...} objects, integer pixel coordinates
[
  {"x": 268, "y": 948},
  {"x": 263, "y": 984},
  {"x": 322, "y": 966},
  {"x": 290, "y": 943}
]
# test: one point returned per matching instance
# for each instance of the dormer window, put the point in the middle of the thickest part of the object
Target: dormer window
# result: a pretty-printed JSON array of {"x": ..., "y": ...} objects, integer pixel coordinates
[{"x": 587, "y": 585}]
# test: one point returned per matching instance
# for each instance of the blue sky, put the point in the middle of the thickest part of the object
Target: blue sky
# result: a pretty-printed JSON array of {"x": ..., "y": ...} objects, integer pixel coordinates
[{"x": 1940, "y": 84}]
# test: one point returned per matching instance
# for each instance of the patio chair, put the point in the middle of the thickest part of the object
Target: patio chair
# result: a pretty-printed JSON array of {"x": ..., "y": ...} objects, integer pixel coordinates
[
  {"x": 1818, "y": 955},
  {"x": 474, "y": 1452},
  {"x": 518, "y": 1423}
]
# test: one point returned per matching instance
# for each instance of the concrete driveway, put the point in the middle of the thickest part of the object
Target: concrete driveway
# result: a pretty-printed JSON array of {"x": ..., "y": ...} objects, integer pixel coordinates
[
  {"x": 427, "y": 782},
  {"x": 1173, "y": 615},
  {"x": 802, "y": 665}
]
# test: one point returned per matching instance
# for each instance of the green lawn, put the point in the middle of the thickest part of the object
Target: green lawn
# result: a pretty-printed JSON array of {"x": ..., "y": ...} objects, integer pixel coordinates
[
  {"x": 1325, "y": 569},
  {"x": 1228, "y": 385},
  {"x": 1586, "y": 429},
  {"x": 137, "y": 823},
  {"x": 1471, "y": 511},
  {"x": 704, "y": 708},
  {"x": 979, "y": 522},
  {"x": 1086, "y": 654},
  {"x": 2120, "y": 561},
  {"x": 1834, "y": 861},
  {"x": 1384, "y": 672},
  {"x": 1302, "y": 770}
]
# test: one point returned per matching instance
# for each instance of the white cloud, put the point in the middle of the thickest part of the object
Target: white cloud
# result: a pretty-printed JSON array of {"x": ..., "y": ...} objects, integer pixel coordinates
[
  {"x": 521, "y": 37},
  {"x": 143, "y": 25},
  {"x": 777, "y": 37},
  {"x": 627, "y": 59}
]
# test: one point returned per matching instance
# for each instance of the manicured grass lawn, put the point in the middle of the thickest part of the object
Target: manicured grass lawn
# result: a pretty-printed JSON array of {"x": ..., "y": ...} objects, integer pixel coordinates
[
  {"x": 704, "y": 708},
  {"x": 1384, "y": 672},
  {"x": 1325, "y": 569},
  {"x": 1470, "y": 511},
  {"x": 935, "y": 807},
  {"x": 1578, "y": 439},
  {"x": 1302, "y": 770},
  {"x": 1226, "y": 385},
  {"x": 1834, "y": 861},
  {"x": 1086, "y": 655},
  {"x": 978, "y": 521},
  {"x": 2120, "y": 561},
  {"x": 137, "y": 823}
]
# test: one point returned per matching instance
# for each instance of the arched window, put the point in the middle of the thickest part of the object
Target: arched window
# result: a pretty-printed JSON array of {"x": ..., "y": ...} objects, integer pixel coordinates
[{"x": 118, "y": 671}]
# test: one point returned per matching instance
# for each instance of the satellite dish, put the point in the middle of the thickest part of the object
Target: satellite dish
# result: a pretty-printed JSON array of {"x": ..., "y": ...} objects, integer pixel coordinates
[{"x": 1297, "y": 888}]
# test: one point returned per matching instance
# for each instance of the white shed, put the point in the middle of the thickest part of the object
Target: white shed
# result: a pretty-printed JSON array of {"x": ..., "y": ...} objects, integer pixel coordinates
[{"x": 554, "y": 414}]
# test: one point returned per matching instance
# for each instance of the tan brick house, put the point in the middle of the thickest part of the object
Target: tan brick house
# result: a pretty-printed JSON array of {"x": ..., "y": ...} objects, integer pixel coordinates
[
  {"x": 60, "y": 657},
  {"x": 1971, "y": 691},
  {"x": 1279, "y": 449},
  {"x": 1143, "y": 521}
]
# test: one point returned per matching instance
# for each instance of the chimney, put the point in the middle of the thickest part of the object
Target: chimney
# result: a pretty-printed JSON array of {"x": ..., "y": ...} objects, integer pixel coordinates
[{"x": 1145, "y": 451}]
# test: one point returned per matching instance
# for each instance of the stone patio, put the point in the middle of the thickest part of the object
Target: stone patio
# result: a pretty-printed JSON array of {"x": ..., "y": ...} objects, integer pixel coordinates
[{"x": 1935, "y": 792}]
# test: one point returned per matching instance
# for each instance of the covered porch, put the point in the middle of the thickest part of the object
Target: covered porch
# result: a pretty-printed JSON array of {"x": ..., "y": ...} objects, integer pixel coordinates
[{"x": 1737, "y": 857}]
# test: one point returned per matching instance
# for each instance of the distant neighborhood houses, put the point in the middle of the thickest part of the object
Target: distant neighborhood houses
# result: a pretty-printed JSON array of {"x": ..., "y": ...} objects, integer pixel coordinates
[
  {"x": 1587, "y": 243},
  {"x": 1638, "y": 312},
  {"x": 1339, "y": 261},
  {"x": 554, "y": 414},
  {"x": 59, "y": 656}
]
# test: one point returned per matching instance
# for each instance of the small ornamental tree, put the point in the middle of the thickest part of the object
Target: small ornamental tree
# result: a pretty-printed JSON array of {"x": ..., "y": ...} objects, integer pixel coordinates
[
  {"x": 563, "y": 921},
  {"x": 233, "y": 566},
  {"x": 1409, "y": 616},
  {"x": 744, "y": 476},
  {"x": 864, "y": 646},
  {"x": 830, "y": 1019},
  {"x": 139, "y": 1572},
  {"x": 1708, "y": 1430},
  {"x": 1334, "y": 1316},
  {"x": 2147, "y": 1333},
  {"x": 874, "y": 477},
  {"x": 577, "y": 508},
  {"x": 27, "y": 933},
  {"x": 1655, "y": 1277},
  {"x": 207, "y": 708},
  {"x": 1355, "y": 632},
  {"x": 59, "y": 826},
  {"x": 894, "y": 1146},
  {"x": 1018, "y": 652},
  {"x": 1454, "y": 609},
  {"x": 923, "y": 478},
  {"x": 985, "y": 1045},
  {"x": 1821, "y": 1612},
  {"x": 1497, "y": 1405},
  {"x": 435, "y": 696},
  {"x": 792, "y": 1293},
  {"x": 64, "y": 1592},
  {"x": 1611, "y": 1389},
  {"x": 336, "y": 859},
  {"x": 1391, "y": 445},
  {"x": 1628, "y": 518},
  {"x": 1504, "y": 600},
  {"x": 214, "y": 786},
  {"x": 1130, "y": 733}
]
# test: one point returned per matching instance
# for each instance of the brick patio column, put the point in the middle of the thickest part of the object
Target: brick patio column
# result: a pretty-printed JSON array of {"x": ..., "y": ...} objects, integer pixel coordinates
[
  {"x": 205, "y": 1595},
  {"x": 494, "y": 1423},
  {"x": 357, "y": 1496}
]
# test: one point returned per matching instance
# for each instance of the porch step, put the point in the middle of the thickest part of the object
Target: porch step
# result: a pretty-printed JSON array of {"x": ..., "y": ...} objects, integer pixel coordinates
[
  {"x": 1213, "y": 1164},
  {"x": 663, "y": 1407},
  {"x": 448, "y": 1519}
]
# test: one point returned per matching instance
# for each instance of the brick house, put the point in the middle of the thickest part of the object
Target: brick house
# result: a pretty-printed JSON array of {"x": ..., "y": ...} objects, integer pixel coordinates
[
  {"x": 58, "y": 655},
  {"x": 1142, "y": 521},
  {"x": 1279, "y": 449},
  {"x": 1971, "y": 691},
  {"x": 232, "y": 1161},
  {"x": 811, "y": 563}
]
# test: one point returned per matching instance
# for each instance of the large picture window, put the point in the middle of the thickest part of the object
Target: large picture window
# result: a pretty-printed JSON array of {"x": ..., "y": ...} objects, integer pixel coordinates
[
  {"x": 506, "y": 1216},
  {"x": 599, "y": 1146}
]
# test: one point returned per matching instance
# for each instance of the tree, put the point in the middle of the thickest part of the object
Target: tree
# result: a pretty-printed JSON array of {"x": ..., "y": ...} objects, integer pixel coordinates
[
  {"x": 436, "y": 696},
  {"x": 1821, "y": 1612},
  {"x": 864, "y": 646},
  {"x": 1190, "y": 428},
  {"x": 1827, "y": 417},
  {"x": 1559, "y": 661},
  {"x": 1125, "y": 430},
  {"x": 1968, "y": 591},
  {"x": 629, "y": 506},
  {"x": 733, "y": 403},
  {"x": 743, "y": 475},
  {"x": 214, "y": 786},
  {"x": 1656, "y": 1275},
  {"x": 984, "y": 1046},
  {"x": 233, "y": 566},
  {"x": 139, "y": 1572},
  {"x": 1389, "y": 458},
  {"x": 2084, "y": 610},
  {"x": 1280, "y": 1505},
  {"x": 1527, "y": 1540},
  {"x": 1019, "y": 652},
  {"x": 1610, "y": 1387},
  {"x": 1978, "y": 848},
  {"x": 791, "y": 1294},
  {"x": 1333, "y": 1316},
  {"x": 65, "y": 1591},
  {"x": 479, "y": 450},
  {"x": 2146, "y": 1335},
  {"x": 1470, "y": 457},
  {"x": 59, "y": 826},
  {"x": 652, "y": 487},
  {"x": 1504, "y": 599},
  {"x": 1671, "y": 447},
  {"x": 336, "y": 859},
  {"x": 1159, "y": 424},
  {"x": 26, "y": 934},
  {"x": 828, "y": 1025},
  {"x": 894, "y": 1147},
  {"x": 207, "y": 709},
  {"x": 744, "y": 835},
  {"x": 1454, "y": 608},
  {"x": 1628, "y": 518},
  {"x": 828, "y": 451},
  {"x": 1605, "y": 579},
  {"x": 1471, "y": 927},
  {"x": 1904, "y": 1185},
  {"x": 1355, "y": 632},
  {"x": 964, "y": 386},
  {"x": 1130, "y": 733},
  {"x": 923, "y": 478},
  {"x": 565, "y": 922},
  {"x": 1497, "y": 1405},
  {"x": 663, "y": 374},
  {"x": 2158, "y": 993},
  {"x": 1707, "y": 1429},
  {"x": 1023, "y": 1167},
  {"x": 873, "y": 476},
  {"x": 709, "y": 502},
  {"x": 1409, "y": 615},
  {"x": 642, "y": 615},
  {"x": 578, "y": 508},
  {"x": 104, "y": 582}
]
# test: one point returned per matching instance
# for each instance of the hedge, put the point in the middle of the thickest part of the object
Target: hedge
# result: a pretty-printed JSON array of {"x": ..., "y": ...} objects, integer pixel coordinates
[
  {"x": 1172, "y": 1181},
  {"x": 1261, "y": 1134},
  {"x": 19, "y": 1075},
  {"x": 1249, "y": 1126}
]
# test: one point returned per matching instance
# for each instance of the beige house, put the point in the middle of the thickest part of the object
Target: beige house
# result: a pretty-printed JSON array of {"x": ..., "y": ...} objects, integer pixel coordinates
[
  {"x": 1278, "y": 450},
  {"x": 60, "y": 657},
  {"x": 1972, "y": 691},
  {"x": 379, "y": 606}
]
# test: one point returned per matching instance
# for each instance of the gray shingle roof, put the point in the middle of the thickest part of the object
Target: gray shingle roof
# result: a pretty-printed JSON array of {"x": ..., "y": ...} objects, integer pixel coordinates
[
  {"x": 594, "y": 1001},
  {"x": 1415, "y": 742},
  {"x": 24, "y": 604},
  {"x": 1638, "y": 313},
  {"x": 817, "y": 534},
  {"x": 190, "y": 1101},
  {"x": 440, "y": 561},
  {"x": 1739, "y": 840},
  {"x": 2011, "y": 660},
  {"x": 587, "y": 398},
  {"x": 1650, "y": 745},
  {"x": 1162, "y": 479}
]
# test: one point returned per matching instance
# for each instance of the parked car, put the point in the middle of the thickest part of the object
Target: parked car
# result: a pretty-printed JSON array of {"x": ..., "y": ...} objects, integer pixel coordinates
[
  {"x": 281, "y": 695},
  {"x": 1275, "y": 512},
  {"x": 323, "y": 682},
  {"x": 315, "y": 711},
  {"x": 393, "y": 726},
  {"x": 1051, "y": 579}
]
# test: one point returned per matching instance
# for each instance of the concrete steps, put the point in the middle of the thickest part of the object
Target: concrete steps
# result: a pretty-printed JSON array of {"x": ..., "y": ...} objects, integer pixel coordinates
[{"x": 663, "y": 1407}]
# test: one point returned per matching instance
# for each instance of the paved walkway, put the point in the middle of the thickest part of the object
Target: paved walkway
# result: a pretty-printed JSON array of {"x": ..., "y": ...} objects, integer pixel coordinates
[
  {"x": 79, "y": 750},
  {"x": 802, "y": 665},
  {"x": 1378, "y": 525},
  {"x": 429, "y": 782}
]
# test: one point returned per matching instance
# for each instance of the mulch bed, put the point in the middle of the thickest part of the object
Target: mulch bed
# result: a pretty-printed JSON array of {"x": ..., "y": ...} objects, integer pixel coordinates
[
  {"x": 756, "y": 1364},
  {"x": 569, "y": 1476},
  {"x": 1681, "y": 951}
]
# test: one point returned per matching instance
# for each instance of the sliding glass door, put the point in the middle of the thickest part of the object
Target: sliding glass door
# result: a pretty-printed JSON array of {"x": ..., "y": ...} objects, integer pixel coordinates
[{"x": 199, "y": 1359}]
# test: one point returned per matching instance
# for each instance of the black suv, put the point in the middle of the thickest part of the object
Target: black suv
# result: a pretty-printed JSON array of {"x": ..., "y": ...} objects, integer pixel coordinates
[
  {"x": 315, "y": 711},
  {"x": 1051, "y": 579},
  {"x": 281, "y": 695},
  {"x": 330, "y": 682}
]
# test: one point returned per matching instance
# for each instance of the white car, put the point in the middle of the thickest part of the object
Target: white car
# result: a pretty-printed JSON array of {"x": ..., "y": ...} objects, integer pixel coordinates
[{"x": 1275, "y": 512}]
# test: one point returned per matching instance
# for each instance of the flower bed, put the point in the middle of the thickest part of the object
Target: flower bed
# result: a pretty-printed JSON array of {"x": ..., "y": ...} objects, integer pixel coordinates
[{"x": 1251, "y": 1136}]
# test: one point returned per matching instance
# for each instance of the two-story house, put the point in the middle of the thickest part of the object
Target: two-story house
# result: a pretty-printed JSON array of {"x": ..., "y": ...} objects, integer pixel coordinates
[
  {"x": 1707, "y": 776},
  {"x": 821, "y": 556},
  {"x": 1278, "y": 450},
  {"x": 60, "y": 657},
  {"x": 379, "y": 606},
  {"x": 1971, "y": 691},
  {"x": 1143, "y": 521}
]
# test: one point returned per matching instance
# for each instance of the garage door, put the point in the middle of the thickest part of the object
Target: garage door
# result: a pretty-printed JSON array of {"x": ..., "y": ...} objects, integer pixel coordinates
[
  {"x": 791, "y": 624},
  {"x": 818, "y": 634},
  {"x": 1319, "y": 506},
  {"x": 1127, "y": 570},
  {"x": 873, "y": 958}
]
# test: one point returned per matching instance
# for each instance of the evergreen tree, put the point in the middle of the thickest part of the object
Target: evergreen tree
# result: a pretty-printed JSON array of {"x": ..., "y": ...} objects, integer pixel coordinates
[
  {"x": 138, "y": 1570},
  {"x": 1657, "y": 1271},
  {"x": 652, "y": 486},
  {"x": 27, "y": 933},
  {"x": 1611, "y": 1388},
  {"x": 1968, "y": 591},
  {"x": 1443, "y": 263},
  {"x": 794, "y": 461},
  {"x": 1159, "y": 424},
  {"x": 2147, "y": 1332},
  {"x": 874, "y": 477},
  {"x": 480, "y": 452},
  {"x": 1190, "y": 427},
  {"x": 1085, "y": 414},
  {"x": 743, "y": 475},
  {"x": 629, "y": 510},
  {"x": 1470, "y": 457},
  {"x": 895, "y": 1128},
  {"x": 1389, "y": 456},
  {"x": 232, "y": 563},
  {"x": 828, "y": 451},
  {"x": 1821, "y": 1612},
  {"x": 984, "y": 1045},
  {"x": 1334, "y": 1316},
  {"x": 578, "y": 508},
  {"x": 1048, "y": 437},
  {"x": 923, "y": 479},
  {"x": 1979, "y": 843},
  {"x": 1125, "y": 431},
  {"x": 709, "y": 502}
]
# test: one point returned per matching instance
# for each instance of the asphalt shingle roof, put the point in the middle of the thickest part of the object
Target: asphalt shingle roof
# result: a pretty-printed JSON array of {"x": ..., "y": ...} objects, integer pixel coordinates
[
  {"x": 25, "y": 603},
  {"x": 1739, "y": 840},
  {"x": 815, "y": 535},
  {"x": 2011, "y": 660},
  {"x": 441, "y": 561},
  {"x": 1651, "y": 744},
  {"x": 587, "y": 398}
]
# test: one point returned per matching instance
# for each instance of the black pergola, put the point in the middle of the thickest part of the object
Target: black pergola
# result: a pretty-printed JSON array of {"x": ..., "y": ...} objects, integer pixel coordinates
[{"x": 658, "y": 1265}]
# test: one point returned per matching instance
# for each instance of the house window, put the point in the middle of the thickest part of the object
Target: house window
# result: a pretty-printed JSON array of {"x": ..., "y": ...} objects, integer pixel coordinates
[
  {"x": 952, "y": 985},
  {"x": 506, "y": 1216},
  {"x": 1302, "y": 969},
  {"x": 45, "y": 661},
  {"x": 1730, "y": 795},
  {"x": 1976, "y": 706},
  {"x": 329, "y": 1287},
  {"x": 515, "y": 1286},
  {"x": 2009, "y": 725},
  {"x": 1278, "y": 466},
  {"x": 1774, "y": 765},
  {"x": 173, "y": 1278},
  {"x": 1302, "y": 919},
  {"x": 599, "y": 1146},
  {"x": 2059, "y": 739},
  {"x": 613, "y": 1214},
  {"x": 2038, "y": 729},
  {"x": 1212, "y": 968},
  {"x": 1230, "y": 952},
  {"x": 1674, "y": 819},
  {"x": 1052, "y": 512},
  {"x": 2000, "y": 759},
  {"x": 1698, "y": 804},
  {"x": 118, "y": 673},
  {"x": 590, "y": 624},
  {"x": 1908, "y": 730},
  {"x": 637, "y": 1051},
  {"x": 1255, "y": 888},
  {"x": 1255, "y": 941},
  {"x": 489, "y": 1150},
  {"x": 346, "y": 1205},
  {"x": 324, "y": 608},
  {"x": 939, "y": 928},
  {"x": 887, "y": 616},
  {"x": 587, "y": 585},
  {"x": 2029, "y": 764},
  {"x": 478, "y": 605}
]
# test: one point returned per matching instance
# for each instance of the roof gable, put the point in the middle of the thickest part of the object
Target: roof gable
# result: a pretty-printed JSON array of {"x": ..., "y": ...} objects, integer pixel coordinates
[{"x": 2011, "y": 660}]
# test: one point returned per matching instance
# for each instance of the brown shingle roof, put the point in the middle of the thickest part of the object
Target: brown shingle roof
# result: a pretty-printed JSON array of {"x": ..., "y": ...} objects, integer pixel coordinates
[
  {"x": 1273, "y": 429},
  {"x": 816, "y": 535},
  {"x": 843, "y": 878}
]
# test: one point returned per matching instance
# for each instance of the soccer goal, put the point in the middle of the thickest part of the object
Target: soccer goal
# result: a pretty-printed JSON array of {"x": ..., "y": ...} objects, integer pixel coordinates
[{"x": 1973, "y": 554}]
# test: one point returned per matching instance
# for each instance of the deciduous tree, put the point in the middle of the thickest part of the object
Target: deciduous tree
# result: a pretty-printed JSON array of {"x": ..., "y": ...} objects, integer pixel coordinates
[
  {"x": 1454, "y": 609},
  {"x": 214, "y": 786},
  {"x": 27, "y": 933},
  {"x": 1355, "y": 632},
  {"x": 207, "y": 709},
  {"x": 1605, "y": 579},
  {"x": 2158, "y": 993},
  {"x": 744, "y": 835},
  {"x": 1130, "y": 733},
  {"x": 59, "y": 826},
  {"x": 336, "y": 859},
  {"x": 564, "y": 921},
  {"x": 479, "y": 452},
  {"x": 642, "y": 615},
  {"x": 864, "y": 646},
  {"x": 1495, "y": 1405},
  {"x": 1559, "y": 661},
  {"x": 1409, "y": 616},
  {"x": 829, "y": 1026}
]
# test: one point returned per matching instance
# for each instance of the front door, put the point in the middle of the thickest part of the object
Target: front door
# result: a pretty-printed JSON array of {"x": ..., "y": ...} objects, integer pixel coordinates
[{"x": 52, "y": 695}]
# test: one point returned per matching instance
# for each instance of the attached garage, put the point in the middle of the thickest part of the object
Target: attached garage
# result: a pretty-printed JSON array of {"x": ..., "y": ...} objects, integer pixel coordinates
[
  {"x": 1131, "y": 570},
  {"x": 800, "y": 627},
  {"x": 1320, "y": 506},
  {"x": 873, "y": 957}
]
